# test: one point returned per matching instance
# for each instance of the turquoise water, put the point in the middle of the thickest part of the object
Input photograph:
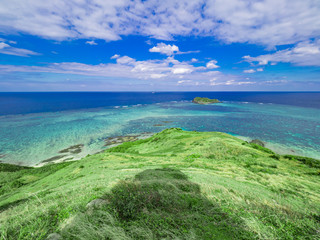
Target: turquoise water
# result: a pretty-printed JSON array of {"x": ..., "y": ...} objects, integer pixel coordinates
[{"x": 29, "y": 139}]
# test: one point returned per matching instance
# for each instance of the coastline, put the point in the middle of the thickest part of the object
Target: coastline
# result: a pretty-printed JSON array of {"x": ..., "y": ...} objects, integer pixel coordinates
[
  {"x": 118, "y": 140},
  {"x": 33, "y": 138},
  {"x": 281, "y": 149}
]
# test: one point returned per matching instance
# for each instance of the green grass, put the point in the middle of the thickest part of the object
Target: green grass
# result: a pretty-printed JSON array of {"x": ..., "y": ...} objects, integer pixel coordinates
[
  {"x": 158, "y": 204},
  {"x": 308, "y": 161},
  {"x": 174, "y": 185}
]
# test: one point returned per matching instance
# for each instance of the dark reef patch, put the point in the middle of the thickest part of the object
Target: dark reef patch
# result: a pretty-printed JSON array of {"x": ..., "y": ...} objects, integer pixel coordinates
[
  {"x": 55, "y": 158},
  {"x": 120, "y": 139},
  {"x": 75, "y": 149}
]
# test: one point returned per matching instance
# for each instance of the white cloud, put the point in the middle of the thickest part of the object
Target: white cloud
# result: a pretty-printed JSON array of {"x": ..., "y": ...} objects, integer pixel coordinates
[
  {"x": 183, "y": 82},
  {"x": 188, "y": 52},
  {"x": 230, "y": 82},
  {"x": 126, "y": 60},
  {"x": 3, "y": 45},
  {"x": 212, "y": 64},
  {"x": 275, "y": 82},
  {"x": 91, "y": 42},
  {"x": 303, "y": 54},
  {"x": 266, "y": 22},
  {"x": 157, "y": 75},
  {"x": 165, "y": 49},
  {"x": 259, "y": 69},
  {"x": 9, "y": 50},
  {"x": 249, "y": 71},
  {"x": 115, "y": 56},
  {"x": 194, "y": 60},
  {"x": 181, "y": 70}
]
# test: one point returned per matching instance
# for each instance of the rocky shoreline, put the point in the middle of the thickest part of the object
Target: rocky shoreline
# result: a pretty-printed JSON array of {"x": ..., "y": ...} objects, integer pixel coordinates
[{"x": 70, "y": 153}]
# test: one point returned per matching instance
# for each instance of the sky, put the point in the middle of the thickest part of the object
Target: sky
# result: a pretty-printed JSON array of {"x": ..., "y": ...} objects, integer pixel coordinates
[{"x": 152, "y": 45}]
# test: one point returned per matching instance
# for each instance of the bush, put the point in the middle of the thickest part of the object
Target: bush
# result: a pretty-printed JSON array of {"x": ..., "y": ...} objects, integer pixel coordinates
[{"x": 166, "y": 203}]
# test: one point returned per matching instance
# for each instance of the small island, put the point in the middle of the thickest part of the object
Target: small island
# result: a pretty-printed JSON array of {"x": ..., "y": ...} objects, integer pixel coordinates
[{"x": 202, "y": 100}]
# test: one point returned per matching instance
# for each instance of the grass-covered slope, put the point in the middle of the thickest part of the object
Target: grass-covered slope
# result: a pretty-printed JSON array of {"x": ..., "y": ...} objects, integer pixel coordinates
[{"x": 174, "y": 185}]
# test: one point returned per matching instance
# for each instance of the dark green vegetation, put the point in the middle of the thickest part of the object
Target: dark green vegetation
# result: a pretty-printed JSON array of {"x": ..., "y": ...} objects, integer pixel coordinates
[
  {"x": 308, "y": 161},
  {"x": 202, "y": 100},
  {"x": 173, "y": 185}
]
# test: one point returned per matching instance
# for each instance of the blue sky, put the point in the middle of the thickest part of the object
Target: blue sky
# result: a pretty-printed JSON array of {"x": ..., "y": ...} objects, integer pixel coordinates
[{"x": 169, "y": 45}]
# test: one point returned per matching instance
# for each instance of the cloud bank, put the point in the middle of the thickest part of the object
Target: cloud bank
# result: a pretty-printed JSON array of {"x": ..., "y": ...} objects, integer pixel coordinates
[
  {"x": 125, "y": 67},
  {"x": 303, "y": 54},
  {"x": 265, "y": 22}
]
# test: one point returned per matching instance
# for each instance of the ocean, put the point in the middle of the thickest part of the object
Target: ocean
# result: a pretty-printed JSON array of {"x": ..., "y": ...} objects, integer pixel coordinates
[{"x": 35, "y": 127}]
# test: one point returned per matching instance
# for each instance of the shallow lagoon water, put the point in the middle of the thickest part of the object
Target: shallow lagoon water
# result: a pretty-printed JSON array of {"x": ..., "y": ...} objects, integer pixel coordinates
[{"x": 28, "y": 139}]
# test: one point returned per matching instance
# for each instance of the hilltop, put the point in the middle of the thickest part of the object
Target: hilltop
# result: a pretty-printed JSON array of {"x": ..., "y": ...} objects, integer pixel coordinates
[{"x": 173, "y": 185}]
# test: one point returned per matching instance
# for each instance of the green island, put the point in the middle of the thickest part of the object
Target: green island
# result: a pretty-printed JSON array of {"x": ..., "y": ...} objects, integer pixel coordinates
[
  {"x": 204, "y": 100},
  {"x": 173, "y": 185}
]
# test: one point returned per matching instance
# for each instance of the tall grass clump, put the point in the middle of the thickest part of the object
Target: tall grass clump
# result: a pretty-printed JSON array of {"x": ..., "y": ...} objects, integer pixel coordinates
[{"x": 157, "y": 204}]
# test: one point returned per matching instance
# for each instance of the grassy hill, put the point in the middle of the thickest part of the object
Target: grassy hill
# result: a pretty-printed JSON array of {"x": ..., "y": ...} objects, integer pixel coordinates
[{"x": 173, "y": 185}]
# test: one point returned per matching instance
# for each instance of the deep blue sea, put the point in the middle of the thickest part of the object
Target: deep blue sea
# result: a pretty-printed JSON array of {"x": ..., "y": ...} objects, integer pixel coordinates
[{"x": 36, "y": 126}]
